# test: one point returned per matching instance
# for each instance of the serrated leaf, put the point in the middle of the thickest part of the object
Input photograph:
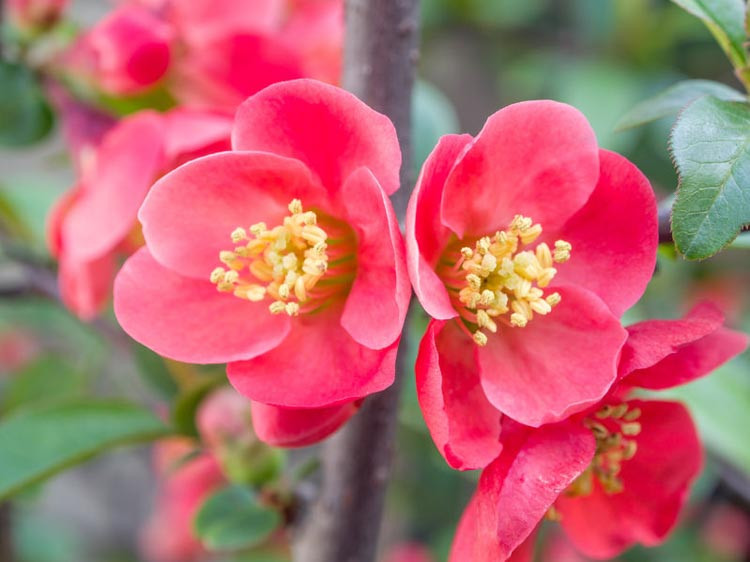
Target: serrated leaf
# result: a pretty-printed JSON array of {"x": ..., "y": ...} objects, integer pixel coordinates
[
  {"x": 37, "y": 443},
  {"x": 711, "y": 149},
  {"x": 674, "y": 98},
  {"x": 726, "y": 21},
  {"x": 25, "y": 116},
  {"x": 233, "y": 519}
]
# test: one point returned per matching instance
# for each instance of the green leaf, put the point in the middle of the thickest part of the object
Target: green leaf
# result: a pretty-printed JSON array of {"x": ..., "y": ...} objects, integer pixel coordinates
[
  {"x": 187, "y": 402},
  {"x": 674, "y": 98},
  {"x": 37, "y": 443},
  {"x": 726, "y": 21},
  {"x": 232, "y": 519},
  {"x": 720, "y": 404},
  {"x": 25, "y": 116},
  {"x": 711, "y": 149},
  {"x": 46, "y": 378}
]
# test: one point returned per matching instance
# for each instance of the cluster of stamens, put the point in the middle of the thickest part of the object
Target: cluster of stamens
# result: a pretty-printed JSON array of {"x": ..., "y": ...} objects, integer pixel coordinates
[
  {"x": 286, "y": 262},
  {"x": 611, "y": 426},
  {"x": 501, "y": 278}
]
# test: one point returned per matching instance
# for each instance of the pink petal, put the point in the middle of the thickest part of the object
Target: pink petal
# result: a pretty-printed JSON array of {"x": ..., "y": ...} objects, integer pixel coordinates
[
  {"x": 188, "y": 319},
  {"x": 85, "y": 286},
  {"x": 536, "y": 158},
  {"x": 656, "y": 482},
  {"x": 329, "y": 129},
  {"x": 126, "y": 165},
  {"x": 614, "y": 236},
  {"x": 464, "y": 425},
  {"x": 190, "y": 133},
  {"x": 316, "y": 32},
  {"x": 555, "y": 366},
  {"x": 379, "y": 298},
  {"x": 190, "y": 213},
  {"x": 200, "y": 21},
  {"x": 665, "y": 353},
  {"x": 225, "y": 71},
  {"x": 317, "y": 365},
  {"x": 425, "y": 234},
  {"x": 292, "y": 427},
  {"x": 515, "y": 491}
]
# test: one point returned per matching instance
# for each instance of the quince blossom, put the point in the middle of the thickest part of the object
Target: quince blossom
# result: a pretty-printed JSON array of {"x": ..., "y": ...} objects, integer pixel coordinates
[
  {"x": 282, "y": 258},
  {"x": 94, "y": 223},
  {"x": 211, "y": 53},
  {"x": 525, "y": 244},
  {"x": 613, "y": 475}
]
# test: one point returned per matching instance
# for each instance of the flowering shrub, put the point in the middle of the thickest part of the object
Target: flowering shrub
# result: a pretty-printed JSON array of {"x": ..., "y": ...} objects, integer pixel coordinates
[{"x": 234, "y": 206}]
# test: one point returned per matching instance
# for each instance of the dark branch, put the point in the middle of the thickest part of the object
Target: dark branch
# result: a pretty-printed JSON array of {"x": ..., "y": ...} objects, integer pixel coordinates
[
  {"x": 6, "y": 533},
  {"x": 343, "y": 523}
]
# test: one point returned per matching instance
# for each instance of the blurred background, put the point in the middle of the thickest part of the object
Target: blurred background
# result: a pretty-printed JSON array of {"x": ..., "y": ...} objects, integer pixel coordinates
[{"x": 603, "y": 56}]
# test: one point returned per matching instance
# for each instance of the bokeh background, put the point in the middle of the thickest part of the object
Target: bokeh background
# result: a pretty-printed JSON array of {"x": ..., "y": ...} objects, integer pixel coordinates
[{"x": 603, "y": 56}]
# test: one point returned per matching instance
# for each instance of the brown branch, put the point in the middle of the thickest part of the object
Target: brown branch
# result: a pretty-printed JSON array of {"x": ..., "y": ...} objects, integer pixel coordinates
[
  {"x": 343, "y": 522},
  {"x": 6, "y": 533}
]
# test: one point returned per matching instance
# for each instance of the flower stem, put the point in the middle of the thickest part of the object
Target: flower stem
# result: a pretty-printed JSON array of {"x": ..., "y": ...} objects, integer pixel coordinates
[{"x": 343, "y": 522}]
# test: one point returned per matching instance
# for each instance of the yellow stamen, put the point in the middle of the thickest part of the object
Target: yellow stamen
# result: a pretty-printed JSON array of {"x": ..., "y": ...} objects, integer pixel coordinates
[
  {"x": 612, "y": 449},
  {"x": 284, "y": 262},
  {"x": 501, "y": 277}
]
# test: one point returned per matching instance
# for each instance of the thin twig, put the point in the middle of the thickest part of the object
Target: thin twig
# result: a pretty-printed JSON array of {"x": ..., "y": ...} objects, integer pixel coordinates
[{"x": 343, "y": 523}]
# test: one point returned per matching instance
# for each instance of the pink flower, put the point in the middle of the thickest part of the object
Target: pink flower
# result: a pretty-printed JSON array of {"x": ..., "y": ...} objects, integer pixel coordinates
[
  {"x": 210, "y": 53},
  {"x": 35, "y": 14},
  {"x": 127, "y": 52},
  {"x": 186, "y": 483},
  {"x": 282, "y": 258},
  {"x": 613, "y": 475},
  {"x": 95, "y": 222},
  {"x": 525, "y": 244}
]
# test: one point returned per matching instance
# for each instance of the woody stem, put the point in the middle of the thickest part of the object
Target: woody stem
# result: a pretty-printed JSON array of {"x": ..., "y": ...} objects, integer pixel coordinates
[{"x": 343, "y": 522}]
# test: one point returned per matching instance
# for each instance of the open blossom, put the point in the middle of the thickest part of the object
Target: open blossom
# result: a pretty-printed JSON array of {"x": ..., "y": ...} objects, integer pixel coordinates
[
  {"x": 525, "y": 244},
  {"x": 210, "y": 52},
  {"x": 282, "y": 258},
  {"x": 613, "y": 475},
  {"x": 95, "y": 222}
]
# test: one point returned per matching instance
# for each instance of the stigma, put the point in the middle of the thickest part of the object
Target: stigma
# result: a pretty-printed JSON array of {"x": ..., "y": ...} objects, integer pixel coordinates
[
  {"x": 502, "y": 278},
  {"x": 283, "y": 264},
  {"x": 612, "y": 427}
]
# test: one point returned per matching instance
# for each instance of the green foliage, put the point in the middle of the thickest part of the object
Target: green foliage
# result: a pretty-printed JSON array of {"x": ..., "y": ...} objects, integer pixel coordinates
[
  {"x": 40, "y": 442},
  {"x": 720, "y": 405},
  {"x": 233, "y": 519},
  {"x": 186, "y": 404},
  {"x": 711, "y": 149},
  {"x": 674, "y": 98},
  {"x": 726, "y": 20},
  {"x": 45, "y": 379},
  {"x": 25, "y": 116}
]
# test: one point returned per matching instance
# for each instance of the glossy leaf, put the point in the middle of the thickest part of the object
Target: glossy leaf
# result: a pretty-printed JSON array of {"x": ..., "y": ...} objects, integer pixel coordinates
[
  {"x": 37, "y": 443},
  {"x": 25, "y": 116},
  {"x": 711, "y": 149},
  {"x": 233, "y": 519},
  {"x": 725, "y": 19},
  {"x": 673, "y": 99}
]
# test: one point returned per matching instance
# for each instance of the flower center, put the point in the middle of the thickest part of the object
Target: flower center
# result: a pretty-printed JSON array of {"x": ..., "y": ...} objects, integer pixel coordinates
[
  {"x": 288, "y": 262},
  {"x": 502, "y": 278},
  {"x": 611, "y": 426}
]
